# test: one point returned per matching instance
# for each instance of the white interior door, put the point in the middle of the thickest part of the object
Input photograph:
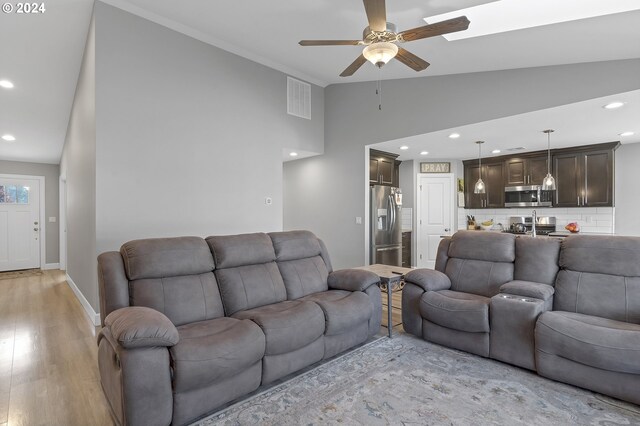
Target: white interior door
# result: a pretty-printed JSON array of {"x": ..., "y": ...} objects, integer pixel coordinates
[
  {"x": 19, "y": 224},
  {"x": 434, "y": 214}
]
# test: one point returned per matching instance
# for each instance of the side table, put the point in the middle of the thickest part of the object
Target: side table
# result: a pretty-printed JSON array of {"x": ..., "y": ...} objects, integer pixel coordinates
[{"x": 391, "y": 281}]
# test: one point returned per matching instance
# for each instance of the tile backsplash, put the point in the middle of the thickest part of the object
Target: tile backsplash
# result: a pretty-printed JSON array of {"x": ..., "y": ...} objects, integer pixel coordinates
[{"x": 590, "y": 219}]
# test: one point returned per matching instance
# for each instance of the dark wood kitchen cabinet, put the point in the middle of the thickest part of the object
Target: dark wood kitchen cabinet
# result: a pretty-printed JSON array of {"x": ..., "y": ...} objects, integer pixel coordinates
[
  {"x": 493, "y": 177},
  {"x": 584, "y": 178},
  {"x": 406, "y": 249},
  {"x": 383, "y": 168},
  {"x": 521, "y": 171}
]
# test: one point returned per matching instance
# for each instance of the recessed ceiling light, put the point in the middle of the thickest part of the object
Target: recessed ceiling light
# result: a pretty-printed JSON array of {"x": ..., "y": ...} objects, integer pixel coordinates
[
  {"x": 613, "y": 105},
  {"x": 510, "y": 15},
  {"x": 424, "y": 153},
  {"x": 293, "y": 154},
  {"x": 454, "y": 135},
  {"x": 495, "y": 151},
  {"x": 8, "y": 138},
  {"x": 6, "y": 84},
  {"x": 404, "y": 147},
  {"x": 625, "y": 134}
]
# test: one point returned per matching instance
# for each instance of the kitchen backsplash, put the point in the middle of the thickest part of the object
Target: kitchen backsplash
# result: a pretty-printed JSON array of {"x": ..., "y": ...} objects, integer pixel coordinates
[
  {"x": 407, "y": 219},
  {"x": 590, "y": 219}
]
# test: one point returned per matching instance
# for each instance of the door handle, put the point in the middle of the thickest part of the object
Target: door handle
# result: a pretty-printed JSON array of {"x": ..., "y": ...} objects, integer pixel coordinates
[
  {"x": 446, "y": 229},
  {"x": 578, "y": 200}
]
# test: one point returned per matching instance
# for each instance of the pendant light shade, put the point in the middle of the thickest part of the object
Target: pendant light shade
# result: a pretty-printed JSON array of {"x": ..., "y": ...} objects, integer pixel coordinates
[
  {"x": 479, "y": 187},
  {"x": 549, "y": 183}
]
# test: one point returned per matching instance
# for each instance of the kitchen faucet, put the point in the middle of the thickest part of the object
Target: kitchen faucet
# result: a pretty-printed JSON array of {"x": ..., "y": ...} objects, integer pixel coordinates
[{"x": 534, "y": 219}]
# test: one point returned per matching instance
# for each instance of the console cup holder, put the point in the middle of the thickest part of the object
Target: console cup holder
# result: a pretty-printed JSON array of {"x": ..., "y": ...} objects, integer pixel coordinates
[{"x": 522, "y": 299}]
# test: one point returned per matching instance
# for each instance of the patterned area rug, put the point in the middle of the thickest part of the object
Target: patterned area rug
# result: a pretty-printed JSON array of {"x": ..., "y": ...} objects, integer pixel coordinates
[
  {"x": 20, "y": 274},
  {"x": 407, "y": 381}
]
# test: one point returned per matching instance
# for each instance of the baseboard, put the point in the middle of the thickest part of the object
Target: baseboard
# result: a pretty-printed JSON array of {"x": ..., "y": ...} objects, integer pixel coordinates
[
  {"x": 93, "y": 316},
  {"x": 51, "y": 266}
]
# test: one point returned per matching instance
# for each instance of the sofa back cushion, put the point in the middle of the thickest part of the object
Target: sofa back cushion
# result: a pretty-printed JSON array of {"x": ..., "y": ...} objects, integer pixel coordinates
[
  {"x": 246, "y": 271},
  {"x": 600, "y": 276},
  {"x": 173, "y": 276},
  {"x": 537, "y": 259},
  {"x": 301, "y": 260},
  {"x": 480, "y": 262}
]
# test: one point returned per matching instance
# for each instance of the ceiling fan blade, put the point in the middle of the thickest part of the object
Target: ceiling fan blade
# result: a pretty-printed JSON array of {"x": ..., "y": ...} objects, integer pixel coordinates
[
  {"x": 330, "y": 42},
  {"x": 453, "y": 25},
  {"x": 376, "y": 14},
  {"x": 411, "y": 60},
  {"x": 354, "y": 66}
]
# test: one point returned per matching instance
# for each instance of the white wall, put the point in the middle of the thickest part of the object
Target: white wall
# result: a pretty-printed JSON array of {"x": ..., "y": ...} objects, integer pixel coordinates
[
  {"x": 50, "y": 173},
  {"x": 189, "y": 137},
  {"x": 326, "y": 192},
  {"x": 78, "y": 166},
  {"x": 627, "y": 213}
]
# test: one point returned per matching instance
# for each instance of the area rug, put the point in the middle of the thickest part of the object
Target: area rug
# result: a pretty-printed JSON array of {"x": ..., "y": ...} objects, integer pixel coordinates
[
  {"x": 20, "y": 274},
  {"x": 407, "y": 381}
]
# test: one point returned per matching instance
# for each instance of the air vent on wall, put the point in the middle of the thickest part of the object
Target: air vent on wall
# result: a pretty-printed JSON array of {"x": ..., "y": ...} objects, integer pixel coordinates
[{"x": 298, "y": 98}]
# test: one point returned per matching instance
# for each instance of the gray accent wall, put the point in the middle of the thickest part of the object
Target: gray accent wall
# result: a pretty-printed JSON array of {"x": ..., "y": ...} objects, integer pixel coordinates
[
  {"x": 324, "y": 193},
  {"x": 78, "y": 168},
  {"x": 627, "y": 196},
  {"x": 50, "y": 173},
  {"x": 189, "y": 137}
]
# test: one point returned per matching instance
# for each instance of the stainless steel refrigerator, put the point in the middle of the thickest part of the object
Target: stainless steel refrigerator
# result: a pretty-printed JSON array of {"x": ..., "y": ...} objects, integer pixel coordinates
[{"x": 386, "y": 226}]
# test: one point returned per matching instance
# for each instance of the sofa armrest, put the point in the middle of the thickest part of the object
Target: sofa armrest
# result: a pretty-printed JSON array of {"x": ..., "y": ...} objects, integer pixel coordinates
[
  {"x": 528, "y": 289},
  {"x": 428, "y": 279},
  {"x": 352, "y": 279},
  {"x": 140, "y": 327}
]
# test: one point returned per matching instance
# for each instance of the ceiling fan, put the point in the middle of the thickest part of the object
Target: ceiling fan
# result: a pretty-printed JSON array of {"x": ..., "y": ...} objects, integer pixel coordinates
[{"x": 381, "y": 38}]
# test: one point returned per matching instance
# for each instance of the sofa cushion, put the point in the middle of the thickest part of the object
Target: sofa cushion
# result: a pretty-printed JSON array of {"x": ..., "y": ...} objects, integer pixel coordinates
[
  {"x": 608, "y": 296},
  {"x": 166, "y": 257},
  {"x": 182, "y": 299},
  {"x": 214, "y": 350},
  {"x": 287, "y": 325},
  {"x": 303, "y": 276},
  {"x": 456, "y": 310},
  {"x": 537, "y": 259},
  {"x": 291, "y": 245},
  {"x": 343, "y": 310},
  {"x": 487, "y": 246},
  {"x": 230, "y": 251},
  {"x": 601, "y": 254},
  {"x": 597, "y": 342},
  {"x": 478, "y": 276}
]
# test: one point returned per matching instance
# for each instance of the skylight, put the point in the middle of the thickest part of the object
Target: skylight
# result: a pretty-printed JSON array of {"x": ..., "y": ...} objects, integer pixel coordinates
[{"x": 510, "y": 15}]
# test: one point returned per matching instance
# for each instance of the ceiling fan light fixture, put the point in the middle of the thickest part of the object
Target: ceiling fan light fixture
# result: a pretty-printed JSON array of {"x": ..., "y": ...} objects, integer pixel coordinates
[{"x": 380, "y": 53}]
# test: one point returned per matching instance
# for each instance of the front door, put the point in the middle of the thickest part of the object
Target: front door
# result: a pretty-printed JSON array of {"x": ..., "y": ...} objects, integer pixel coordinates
[
  {"x": 19, "y": 224},
  {"x": 435, "y": 215}
]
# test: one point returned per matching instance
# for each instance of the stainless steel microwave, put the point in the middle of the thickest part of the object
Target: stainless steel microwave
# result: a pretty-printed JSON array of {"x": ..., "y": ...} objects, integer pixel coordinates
[{"x": 527, "y": 196}]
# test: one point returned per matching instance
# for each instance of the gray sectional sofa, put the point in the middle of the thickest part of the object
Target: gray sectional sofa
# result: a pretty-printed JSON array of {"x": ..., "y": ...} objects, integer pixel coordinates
[
  {"x": 191, "y": 324},
  {"x": 569, "y": 310}
]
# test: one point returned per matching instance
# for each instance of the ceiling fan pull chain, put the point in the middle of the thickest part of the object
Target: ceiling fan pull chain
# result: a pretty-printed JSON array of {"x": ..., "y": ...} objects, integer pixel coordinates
[{"x": 379, "y": 92}]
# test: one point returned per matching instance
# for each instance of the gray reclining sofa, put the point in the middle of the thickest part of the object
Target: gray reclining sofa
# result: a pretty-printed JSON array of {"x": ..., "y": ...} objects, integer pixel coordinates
[
  {"x": 191, "y": 324},
  {"x": 569, "y": 310}
]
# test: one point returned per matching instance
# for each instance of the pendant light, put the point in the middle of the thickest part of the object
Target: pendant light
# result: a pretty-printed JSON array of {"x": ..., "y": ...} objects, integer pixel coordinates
[
  {"x": 479, "y": 188},
  {"x": 549, "y": 183}
]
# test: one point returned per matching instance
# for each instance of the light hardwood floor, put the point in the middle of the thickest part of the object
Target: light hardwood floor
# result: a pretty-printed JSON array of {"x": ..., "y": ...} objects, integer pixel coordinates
[{"x": 48, "y": 367}]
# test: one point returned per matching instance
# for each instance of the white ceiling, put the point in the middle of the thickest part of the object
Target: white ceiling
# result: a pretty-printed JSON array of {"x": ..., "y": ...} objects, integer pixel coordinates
[
  {"x": 581, "y": 123},
  {"x": 42, "y": 54}
]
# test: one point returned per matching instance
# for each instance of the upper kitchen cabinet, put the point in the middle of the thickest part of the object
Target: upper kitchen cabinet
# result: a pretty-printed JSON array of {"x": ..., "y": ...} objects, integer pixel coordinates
[
  {"x": 584, "y": 176},
  {"x": 383, "y": 168},
  {"x": 521, "y": 171},
  {"x": 493, "y": 177}
]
